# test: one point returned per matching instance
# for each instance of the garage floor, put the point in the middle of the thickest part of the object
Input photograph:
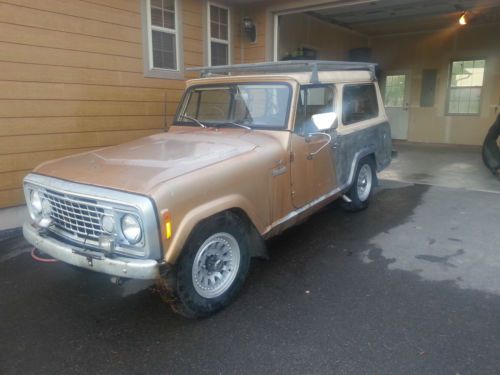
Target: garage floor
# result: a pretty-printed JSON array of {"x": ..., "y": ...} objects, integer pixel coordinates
[
  {"x": 449, "y": 166},
  {"x": 409, "y": 286}
]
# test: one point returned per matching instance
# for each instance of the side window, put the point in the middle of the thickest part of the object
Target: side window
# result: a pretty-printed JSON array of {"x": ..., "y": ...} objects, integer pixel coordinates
[
  {"x": 359, "y": 103},
  {"x": 312, "y": 101}
]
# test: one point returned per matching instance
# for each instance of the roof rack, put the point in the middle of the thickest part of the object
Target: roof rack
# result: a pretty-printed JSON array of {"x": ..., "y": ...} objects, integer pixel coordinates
[{"x": 313, "y": 66}]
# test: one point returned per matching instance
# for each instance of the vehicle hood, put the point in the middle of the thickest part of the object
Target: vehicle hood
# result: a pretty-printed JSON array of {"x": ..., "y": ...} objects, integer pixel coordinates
[{"x": 141, "y": 165}]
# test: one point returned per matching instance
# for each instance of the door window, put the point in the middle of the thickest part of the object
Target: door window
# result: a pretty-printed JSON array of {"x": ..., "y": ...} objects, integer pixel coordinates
[
  {"x": 313, "y": 100},
  {"x": 395, "y": 91}
]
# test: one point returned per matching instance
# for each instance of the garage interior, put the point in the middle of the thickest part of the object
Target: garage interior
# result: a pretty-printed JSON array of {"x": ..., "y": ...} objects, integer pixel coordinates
[{"x": 440, "y": 78}]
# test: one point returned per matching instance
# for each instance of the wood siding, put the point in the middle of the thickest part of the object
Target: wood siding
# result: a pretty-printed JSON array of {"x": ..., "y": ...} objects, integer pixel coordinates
[{"x": 72, "y": 80}]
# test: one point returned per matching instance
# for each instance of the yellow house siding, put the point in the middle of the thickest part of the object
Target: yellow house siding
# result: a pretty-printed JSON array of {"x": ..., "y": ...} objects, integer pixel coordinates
[{"x": 72, "y": 80}]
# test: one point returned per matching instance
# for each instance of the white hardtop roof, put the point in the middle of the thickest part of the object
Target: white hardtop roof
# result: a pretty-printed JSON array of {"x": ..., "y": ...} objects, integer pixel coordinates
[{"x": 304, "y": 71}]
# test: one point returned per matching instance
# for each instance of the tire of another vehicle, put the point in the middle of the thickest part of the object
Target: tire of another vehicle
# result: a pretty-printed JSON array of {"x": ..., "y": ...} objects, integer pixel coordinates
[
  {"x": 362, "y": 186},
  {"x": 217, "y": 250}
]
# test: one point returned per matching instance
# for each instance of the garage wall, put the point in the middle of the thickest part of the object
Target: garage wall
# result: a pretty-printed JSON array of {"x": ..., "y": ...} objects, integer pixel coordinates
[
  {"x": 303, "y": 30},
  {"x": 435, "y": 50}
]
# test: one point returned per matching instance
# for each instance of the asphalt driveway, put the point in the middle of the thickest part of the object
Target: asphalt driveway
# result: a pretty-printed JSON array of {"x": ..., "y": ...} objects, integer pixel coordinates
[{"x": 409, "y": 286}]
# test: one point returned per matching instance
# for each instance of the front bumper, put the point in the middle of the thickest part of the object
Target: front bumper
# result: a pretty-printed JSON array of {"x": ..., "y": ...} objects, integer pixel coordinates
[{"x": 91, "y": 260}]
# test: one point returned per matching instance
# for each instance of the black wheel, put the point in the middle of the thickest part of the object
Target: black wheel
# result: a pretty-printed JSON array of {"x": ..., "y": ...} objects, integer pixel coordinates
[
  {"x": 213, "y": 266},
  {"x": 362, "y": 187}
]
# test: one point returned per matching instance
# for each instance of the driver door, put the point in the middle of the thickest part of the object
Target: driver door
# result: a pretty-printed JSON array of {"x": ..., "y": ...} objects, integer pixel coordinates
[{"x": 313, "y": 152}]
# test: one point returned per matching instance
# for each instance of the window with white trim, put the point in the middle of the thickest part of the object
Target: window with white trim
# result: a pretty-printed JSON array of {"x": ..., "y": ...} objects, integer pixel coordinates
[
  {"x": 163, "y": 41},
  {"x": 466, "y": 83},
  {"x": 218, "y": 35}
]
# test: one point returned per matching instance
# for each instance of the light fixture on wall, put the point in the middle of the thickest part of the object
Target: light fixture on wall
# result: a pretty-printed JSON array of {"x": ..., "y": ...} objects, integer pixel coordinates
[
  {"x": 249, "y": 29},
  {"x": 463, "y": 19}
]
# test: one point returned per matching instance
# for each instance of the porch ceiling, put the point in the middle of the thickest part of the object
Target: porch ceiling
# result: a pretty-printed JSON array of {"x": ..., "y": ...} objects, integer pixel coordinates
[{"x": 385, "y": 16}]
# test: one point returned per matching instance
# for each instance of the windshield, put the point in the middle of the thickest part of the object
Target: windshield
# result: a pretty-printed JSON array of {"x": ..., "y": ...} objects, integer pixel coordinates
[{"x": 263, "y": 105}]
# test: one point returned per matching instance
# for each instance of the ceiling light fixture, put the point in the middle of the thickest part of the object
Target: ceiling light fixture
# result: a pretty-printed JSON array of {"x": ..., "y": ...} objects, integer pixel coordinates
[{"x": 463, "y": 20}]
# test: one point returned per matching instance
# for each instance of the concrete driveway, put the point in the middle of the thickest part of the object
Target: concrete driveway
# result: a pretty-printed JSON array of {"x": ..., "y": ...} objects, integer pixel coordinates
[{"x": 409, "y": 286}]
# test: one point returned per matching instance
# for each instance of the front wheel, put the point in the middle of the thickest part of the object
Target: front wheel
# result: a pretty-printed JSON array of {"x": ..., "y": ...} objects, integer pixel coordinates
[
  {"x": 212, "y": 267},
  {"x": 362, "y": 187}
]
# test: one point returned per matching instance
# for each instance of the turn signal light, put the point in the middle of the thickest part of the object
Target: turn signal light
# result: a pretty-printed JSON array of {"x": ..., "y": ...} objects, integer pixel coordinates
[{"x": 168, "y": 225}]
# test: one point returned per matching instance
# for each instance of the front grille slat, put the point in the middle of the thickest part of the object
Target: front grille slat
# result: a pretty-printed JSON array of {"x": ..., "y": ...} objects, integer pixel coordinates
[{"x": 75, "y": 215}]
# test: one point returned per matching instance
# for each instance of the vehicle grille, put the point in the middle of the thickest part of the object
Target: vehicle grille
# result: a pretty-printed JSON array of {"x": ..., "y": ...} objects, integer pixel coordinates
[{"x": 78, "y": 216}]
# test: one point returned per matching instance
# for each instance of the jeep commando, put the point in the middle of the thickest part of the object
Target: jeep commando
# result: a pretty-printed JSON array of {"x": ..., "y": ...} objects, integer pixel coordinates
[{"x": 253, "y": 150}]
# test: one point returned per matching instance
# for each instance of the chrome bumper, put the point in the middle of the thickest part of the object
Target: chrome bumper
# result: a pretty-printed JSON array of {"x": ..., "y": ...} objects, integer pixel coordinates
[{"x": 94, "y": 261}]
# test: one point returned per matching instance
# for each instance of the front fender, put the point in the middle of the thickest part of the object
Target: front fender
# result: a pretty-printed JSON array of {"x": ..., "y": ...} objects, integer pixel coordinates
[{"x": 202, "y": 212}]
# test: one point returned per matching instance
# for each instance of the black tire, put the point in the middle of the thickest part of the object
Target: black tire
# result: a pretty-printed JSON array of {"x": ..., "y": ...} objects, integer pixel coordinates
[
  {"x": 358, "y": 202},
  {"x": 186, "y": 300}
]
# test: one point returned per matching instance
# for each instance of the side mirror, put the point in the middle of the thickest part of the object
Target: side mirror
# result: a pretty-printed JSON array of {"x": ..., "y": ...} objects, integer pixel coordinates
[{"x": 325, "y": 121}]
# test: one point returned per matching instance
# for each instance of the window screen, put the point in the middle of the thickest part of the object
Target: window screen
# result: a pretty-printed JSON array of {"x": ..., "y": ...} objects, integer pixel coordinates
[
  {"x": 219, "y": 35},
  {"x": 359, "y": 102},
  {"x": 466, "y": 82},
  {"x": 163, "y": 34}
]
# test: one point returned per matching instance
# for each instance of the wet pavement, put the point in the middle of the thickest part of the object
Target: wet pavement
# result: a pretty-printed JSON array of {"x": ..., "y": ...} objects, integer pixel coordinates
[
  {"x": 409, "y": 286},
  {"x": 441, "y": 165}
]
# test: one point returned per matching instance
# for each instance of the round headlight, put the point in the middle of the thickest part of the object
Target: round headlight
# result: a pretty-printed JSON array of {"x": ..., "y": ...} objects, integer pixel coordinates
[
  {"x": 131, "y": 229},
  {"x": 108, "y": 223},
  {"x": 36, "y": 202}
]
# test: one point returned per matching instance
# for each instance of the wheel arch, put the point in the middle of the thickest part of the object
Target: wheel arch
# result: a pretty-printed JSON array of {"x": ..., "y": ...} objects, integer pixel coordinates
[
  {"x": 366, "y": 152},
  {"x": 235, "y": 205}
]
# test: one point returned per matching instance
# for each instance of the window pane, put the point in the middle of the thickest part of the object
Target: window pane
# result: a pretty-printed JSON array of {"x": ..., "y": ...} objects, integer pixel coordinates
[
  {"x": 219, "y": 54},
  {"x": 219, "y": 18},
  {"x": 163, "y": 13},
  {"x": 313, "y": 100},
  {"x": 223, "y": 32},
  {"x": 466, "y": 80},
  {"x": 395, "y": 90},
  {"x": 223, "y": 16},
  {"x": 255, "y": 105},
  {"x": 214, "y": 14},
  {"x": 467, "y": 73},
  {"x": 156, "y": 19},
  {"x": 169, "y": 5},
  {"x": 214, "y": 105},
  {"x": 169, "y": 19},
  {"x": 192, "y": 105},
  {"x": 464, "y": 100},
  {"x": 359, "y": 102},
  {"x": 164, "y": 55},
  {"x": 214, "y": 30}
]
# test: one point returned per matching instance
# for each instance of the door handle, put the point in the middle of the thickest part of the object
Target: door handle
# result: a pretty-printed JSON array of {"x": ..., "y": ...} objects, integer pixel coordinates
[{"x": 406, "y": 107}]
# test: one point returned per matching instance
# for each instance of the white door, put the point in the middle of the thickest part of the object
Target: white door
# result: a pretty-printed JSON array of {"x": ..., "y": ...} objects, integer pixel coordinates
[{"x": 396, "y": 98}]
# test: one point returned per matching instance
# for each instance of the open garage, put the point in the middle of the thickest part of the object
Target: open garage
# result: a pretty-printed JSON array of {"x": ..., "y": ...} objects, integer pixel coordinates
[{"x": 440, "y": 78}]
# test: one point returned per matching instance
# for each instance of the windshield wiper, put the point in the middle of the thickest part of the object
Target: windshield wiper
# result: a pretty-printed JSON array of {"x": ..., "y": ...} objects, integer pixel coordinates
[
  {"x": 237, "y": 124},
  {"x": 194, "y": 120}
]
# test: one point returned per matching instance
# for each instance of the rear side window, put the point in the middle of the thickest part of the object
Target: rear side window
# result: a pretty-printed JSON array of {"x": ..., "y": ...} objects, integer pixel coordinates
[{"x": 359, "y": 103}]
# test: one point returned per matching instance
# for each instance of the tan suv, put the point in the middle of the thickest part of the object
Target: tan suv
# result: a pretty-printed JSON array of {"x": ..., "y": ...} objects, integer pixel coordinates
[{"x": 253, "y": 150}]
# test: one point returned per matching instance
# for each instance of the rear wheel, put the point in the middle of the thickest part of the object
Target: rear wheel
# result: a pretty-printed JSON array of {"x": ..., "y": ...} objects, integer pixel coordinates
[
  {"x": 212, "y": 267},
  {"x": 362, "y": 187}
]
